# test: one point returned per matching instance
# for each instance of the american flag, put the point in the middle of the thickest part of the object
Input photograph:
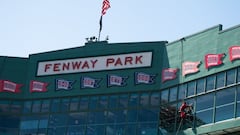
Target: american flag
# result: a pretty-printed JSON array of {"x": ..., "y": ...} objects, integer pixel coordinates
[{"x": 105, "y": 6}]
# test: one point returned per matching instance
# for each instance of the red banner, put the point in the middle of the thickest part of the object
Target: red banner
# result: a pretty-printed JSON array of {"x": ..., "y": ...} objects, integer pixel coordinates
[
  {"x": 190, "y": 67},
  {"x": 234, "y": 53},
  {"x": 9, "y": 86},
  {"x": 213, "y": 60},
  {"x": 169, "y": 74},
  {"x": 36, "y": 86}
]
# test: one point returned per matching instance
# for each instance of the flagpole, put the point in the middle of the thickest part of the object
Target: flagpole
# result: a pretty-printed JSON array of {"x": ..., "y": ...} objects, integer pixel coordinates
[
  {"x": 100, "y": 28},
  {"x": 99, "y": 35}
]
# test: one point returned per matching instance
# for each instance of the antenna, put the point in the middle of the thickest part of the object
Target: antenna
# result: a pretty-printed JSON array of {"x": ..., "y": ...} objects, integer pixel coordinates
[{"x": 107, "y": 38}]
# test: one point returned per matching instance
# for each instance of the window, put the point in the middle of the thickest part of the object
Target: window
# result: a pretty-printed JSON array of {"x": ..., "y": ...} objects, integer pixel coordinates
[
  {"x": 113, "y": 101},
  {"x": 57, "y": 120},
  {"x": 150, "y": 115},
  {"x": 231, "y": 76},
  {"x": 238, "y": 74},
  {"x": 9, "y": 122},
  {"x": 83, "y": 103},
  {"x": 225, "y": 96},
  {"x": 131, "y": 129},
  {"x": 55, "y": 106},
  {"x": 225, "y": 104},
  {"x": 144, "y": 99},
  {"x": 210, "y": 82},
  {"x": 238, "y": 93},
  {"x": 191, "y": 88},
  {"x": 200, "y": 85},
  {"x": 93, "y": 130},
  {"x": 132, "y": 115},
  {"x": 45, "y": 106},
  {"x": 29, "y": 132},
  {"x": 65, "y": 105},
  {"x": 220, "y": 82},
  {"x": 116, "y": 116},
  {"x": 96, "y": 117},
  {"x": 133, "y": 100},
  {"x": 224, "y": 112},
  {"x": 173, "y": 94},
  {"x": 16, "y": 107},
  {"x": 145, "y": 128},
  {"x": 182, "y": 91},
  {"x": 205, "y": 102},
  {"x": 29, "y": 122},
  {"x": 93, "y": 102},
  {"x": 123, "y": 100},
  {"x": 164, "y": 96},
  {"x": 56, "y": 131},
  {"x": 103, "y": 102},
  {"x": 238, "y": 101},
  {"x": 74, "y": 104},
  {"x": 36, "y": 107},
  {"x": 27, "y": 106},
  {"x": 77, "y": 118},
  {"x": 57, "y": 124},
  {"x": 100, "y": 117},
  {"x": 4, "y": 106},
  {"x": 42, "y": 131},
  {"x": 201, "y": 118},
  {"x": 76, "y": 130},
  {"x": 43, "y": 121},
  {"x": 155, "y": 99},
  {"x": 113, "y": 130},
  {"x": 190, "y": 101},
  {"x": 31, "y": 125}
]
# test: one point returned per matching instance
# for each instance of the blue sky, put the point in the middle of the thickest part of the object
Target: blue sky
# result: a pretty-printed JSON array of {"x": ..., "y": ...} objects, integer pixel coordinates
[{"x": 35, "y": 26}]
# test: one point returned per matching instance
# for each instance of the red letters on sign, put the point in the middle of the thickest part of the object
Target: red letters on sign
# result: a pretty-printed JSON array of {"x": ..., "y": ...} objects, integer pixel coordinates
[
  {"x": 109, "y": 61},
  {"x": 56, "y": 67},
  {"x": 120, "y": 61},
  {"x": 47, "y": 66}
]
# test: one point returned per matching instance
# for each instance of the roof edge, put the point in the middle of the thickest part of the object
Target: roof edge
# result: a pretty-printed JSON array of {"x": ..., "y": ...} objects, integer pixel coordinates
[{"x": 219, "y": 26}]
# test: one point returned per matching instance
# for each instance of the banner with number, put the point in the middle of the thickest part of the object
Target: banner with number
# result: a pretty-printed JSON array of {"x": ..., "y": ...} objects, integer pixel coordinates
[
  {"x": 88, "y": 82},
  {"x": 115, "y": 80},
  {"x": 144, "y": 78},
  {"x": 9, "y": 86},
  {"x": 37, "y": 86},
  {"x": 63, "y": 84}
]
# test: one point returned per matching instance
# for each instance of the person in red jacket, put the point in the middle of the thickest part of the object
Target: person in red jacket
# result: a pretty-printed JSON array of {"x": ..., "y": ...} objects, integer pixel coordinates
[{"x": 182, "y": 110}]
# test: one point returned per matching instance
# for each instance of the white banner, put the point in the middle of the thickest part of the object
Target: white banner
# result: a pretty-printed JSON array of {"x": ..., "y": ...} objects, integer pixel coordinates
[{"x": 89, "y": 64}]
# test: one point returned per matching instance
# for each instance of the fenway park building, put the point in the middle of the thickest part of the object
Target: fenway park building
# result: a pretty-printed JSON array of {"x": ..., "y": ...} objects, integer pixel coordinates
[{"x": 132, "y": 88}]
